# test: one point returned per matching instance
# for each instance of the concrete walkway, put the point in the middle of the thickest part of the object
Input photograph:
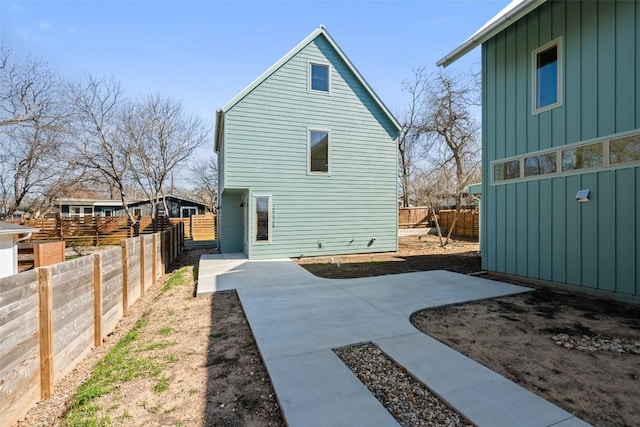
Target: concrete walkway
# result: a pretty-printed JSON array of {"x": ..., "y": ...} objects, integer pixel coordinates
[{"x": 298, "y": 318}]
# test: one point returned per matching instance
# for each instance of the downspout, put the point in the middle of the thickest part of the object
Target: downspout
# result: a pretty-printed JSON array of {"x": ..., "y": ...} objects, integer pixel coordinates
[{"x": 22, "y": 239}]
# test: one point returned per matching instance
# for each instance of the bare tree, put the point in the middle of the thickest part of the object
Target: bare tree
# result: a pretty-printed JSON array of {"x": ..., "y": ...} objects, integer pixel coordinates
[
  {"x": 33, "y": 121},
  {"x": 161, "y": 137},
  {"x": 99, "y": 144},
  {"x": 452, "y": 133},
  {"x": 410, "y": 135},
  {"x": 204, "y": 179}
]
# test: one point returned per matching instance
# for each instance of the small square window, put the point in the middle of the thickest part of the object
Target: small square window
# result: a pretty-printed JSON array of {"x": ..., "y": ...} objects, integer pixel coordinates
[
  {"x": 506, "y": 170},
  {"x": 318, "y": 151},
  {"x": 319, "y": 77},
  {"x": 624, "y": 150},
  {"x": 547, "y": 70},
  {"x": 540, "y": 165}
]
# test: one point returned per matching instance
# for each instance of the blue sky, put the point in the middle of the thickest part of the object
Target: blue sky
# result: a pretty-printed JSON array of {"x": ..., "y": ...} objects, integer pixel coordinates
[{"x": 204, "y": 52}]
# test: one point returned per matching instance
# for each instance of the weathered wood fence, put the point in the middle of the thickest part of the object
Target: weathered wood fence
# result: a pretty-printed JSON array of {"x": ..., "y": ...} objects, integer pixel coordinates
[
  {"x": 467, "y": 224},
  {"x": 51, "y": 317},
  {"x": 414, "y": 217}
]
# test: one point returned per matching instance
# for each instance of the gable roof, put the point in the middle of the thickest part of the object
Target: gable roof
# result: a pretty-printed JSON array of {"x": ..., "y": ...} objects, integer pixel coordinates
[
  {"x": 321, "y": 30},
  {"x": 507, "y": 16}
]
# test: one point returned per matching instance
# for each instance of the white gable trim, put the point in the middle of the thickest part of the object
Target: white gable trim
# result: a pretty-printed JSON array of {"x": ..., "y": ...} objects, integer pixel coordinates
[
  {"x": 507, "y": 16},
  {"x": 321, "y": 30}
]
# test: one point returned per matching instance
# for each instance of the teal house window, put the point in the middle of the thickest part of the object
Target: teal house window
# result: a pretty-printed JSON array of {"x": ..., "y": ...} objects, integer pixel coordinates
[
  {"x": 318, "y": 151},
  {"x": 319, "y": 77},
  {"x": 547, "y": 77}
]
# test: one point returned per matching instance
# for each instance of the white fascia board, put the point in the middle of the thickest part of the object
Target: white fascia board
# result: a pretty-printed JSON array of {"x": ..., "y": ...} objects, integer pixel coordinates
[{"x": 507, "y": 16}]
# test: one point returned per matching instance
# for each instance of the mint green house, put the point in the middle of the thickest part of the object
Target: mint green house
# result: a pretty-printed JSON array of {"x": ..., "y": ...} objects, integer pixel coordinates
[
  {"x": 307, "y": 160},
  {"x": 561, "y": 143}
]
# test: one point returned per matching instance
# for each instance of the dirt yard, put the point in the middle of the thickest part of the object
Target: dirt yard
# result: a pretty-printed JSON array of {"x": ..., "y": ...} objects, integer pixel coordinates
[
  {"x": 581, "y": 353},
  {"x": 415, "y": 253},
  {"x": 177, "y": 360}
]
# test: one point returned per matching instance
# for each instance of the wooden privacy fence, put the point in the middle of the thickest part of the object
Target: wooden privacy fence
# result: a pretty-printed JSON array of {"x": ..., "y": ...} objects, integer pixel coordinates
[
  {"x": 50, "y": 317},
  {"x": 198, "y": 227},
  {"x": 39, "y": 254},
  {"x": 413, "y": 217},
  {"x": 467, "y": 224},
  {"x": 91, "y": 230}
]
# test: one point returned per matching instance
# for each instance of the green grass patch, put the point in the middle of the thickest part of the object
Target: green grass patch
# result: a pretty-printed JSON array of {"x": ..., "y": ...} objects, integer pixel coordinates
[
  {"x": 120, "y": 365},
  {"x": 165, "y": 330},
  {"x": 177, "y": 279},
  {"x": 161, "y": 385}
]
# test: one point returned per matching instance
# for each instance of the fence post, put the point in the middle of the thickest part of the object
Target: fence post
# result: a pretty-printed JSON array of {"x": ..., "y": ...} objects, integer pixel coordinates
[
  {"x": 59, "y": 226},
  {"x": 97, "y": 299},
  {"x": 45, "y": 290},
  {"x": 125, "y": 277},
  {"x": 142, "y": 263},
  {"x": 163, "y": 248},
  {"x": 154, "y": 259}
]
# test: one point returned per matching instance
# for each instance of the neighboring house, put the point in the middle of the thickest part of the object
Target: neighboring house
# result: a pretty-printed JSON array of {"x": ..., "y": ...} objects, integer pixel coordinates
[
  {"x": 307, "y": 160},
  {"x": 10, "y": 235},
  {"x": 561, "y": 143},
  {"x": 178, "y": 207}
]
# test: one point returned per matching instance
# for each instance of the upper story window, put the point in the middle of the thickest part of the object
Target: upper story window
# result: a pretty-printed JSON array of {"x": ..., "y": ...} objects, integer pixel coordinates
[
  {"x": 318, "y": 151},
  {"x": 319, "y": 77},
  {"x": 547, "y": 76}
]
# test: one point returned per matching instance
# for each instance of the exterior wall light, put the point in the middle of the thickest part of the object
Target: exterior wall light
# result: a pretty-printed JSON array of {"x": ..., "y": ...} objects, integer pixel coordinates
[{"x": 583, "y": 195}]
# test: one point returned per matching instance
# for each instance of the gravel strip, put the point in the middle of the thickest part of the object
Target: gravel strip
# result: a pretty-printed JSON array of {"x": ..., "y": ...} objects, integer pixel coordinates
[
  {"x": 410, "y": 402},
  {"x": 590, "y": 344}
]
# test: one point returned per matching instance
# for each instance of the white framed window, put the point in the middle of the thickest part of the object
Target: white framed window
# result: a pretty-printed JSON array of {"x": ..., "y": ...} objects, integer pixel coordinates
[
  {"x": 319, "y": 77},
  {"x": 80, "y": 211},
  {"x": 188, "y": 211},
  {"x": 547, "y": 76},
  {"x": 262, "y": 219},
  {"x": 319, "y": 152}
]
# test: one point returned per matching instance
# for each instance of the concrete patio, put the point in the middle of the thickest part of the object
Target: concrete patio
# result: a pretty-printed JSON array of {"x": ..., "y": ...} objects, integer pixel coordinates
[{"x": 298, "y": 318}]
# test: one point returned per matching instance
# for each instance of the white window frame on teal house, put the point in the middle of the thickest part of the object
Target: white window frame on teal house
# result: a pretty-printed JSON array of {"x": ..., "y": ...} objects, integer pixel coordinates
[
  {"x": 310, "y": 77},
  {"x": 309, "y": 152},
  {"x": 616, "y": 151},
  {"x": 255, "y": 219},
  {"x": 559, "y": 75}
]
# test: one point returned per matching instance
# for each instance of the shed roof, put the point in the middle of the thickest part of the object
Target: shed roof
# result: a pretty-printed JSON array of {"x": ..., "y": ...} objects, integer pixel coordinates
[
  {"x": 321, "y": 30},
  {"x": 8, "y": 228},
  {"x": 507, "y": 16}
]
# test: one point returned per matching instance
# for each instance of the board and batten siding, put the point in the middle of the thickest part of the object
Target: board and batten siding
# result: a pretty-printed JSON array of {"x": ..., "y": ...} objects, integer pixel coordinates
[
  {"x": 536, "y": 228},
  {"x": 353, "y": 209}
]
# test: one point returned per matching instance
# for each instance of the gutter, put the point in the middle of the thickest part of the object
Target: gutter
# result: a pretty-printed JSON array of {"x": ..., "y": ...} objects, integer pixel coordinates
[{"x": 491, "y": 29}]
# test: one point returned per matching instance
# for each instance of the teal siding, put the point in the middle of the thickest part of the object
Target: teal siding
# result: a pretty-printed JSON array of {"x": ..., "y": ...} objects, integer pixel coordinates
[
  {"x": 536, "y": 228},
  {"x": 351, "y": 210}
]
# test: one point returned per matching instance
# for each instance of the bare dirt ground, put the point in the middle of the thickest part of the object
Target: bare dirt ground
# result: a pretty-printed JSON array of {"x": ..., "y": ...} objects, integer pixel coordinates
[
  {"x": 206, "y": 369},
  {"x": 559, "y": 345},
  {"x": 415, "y": 253}
]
